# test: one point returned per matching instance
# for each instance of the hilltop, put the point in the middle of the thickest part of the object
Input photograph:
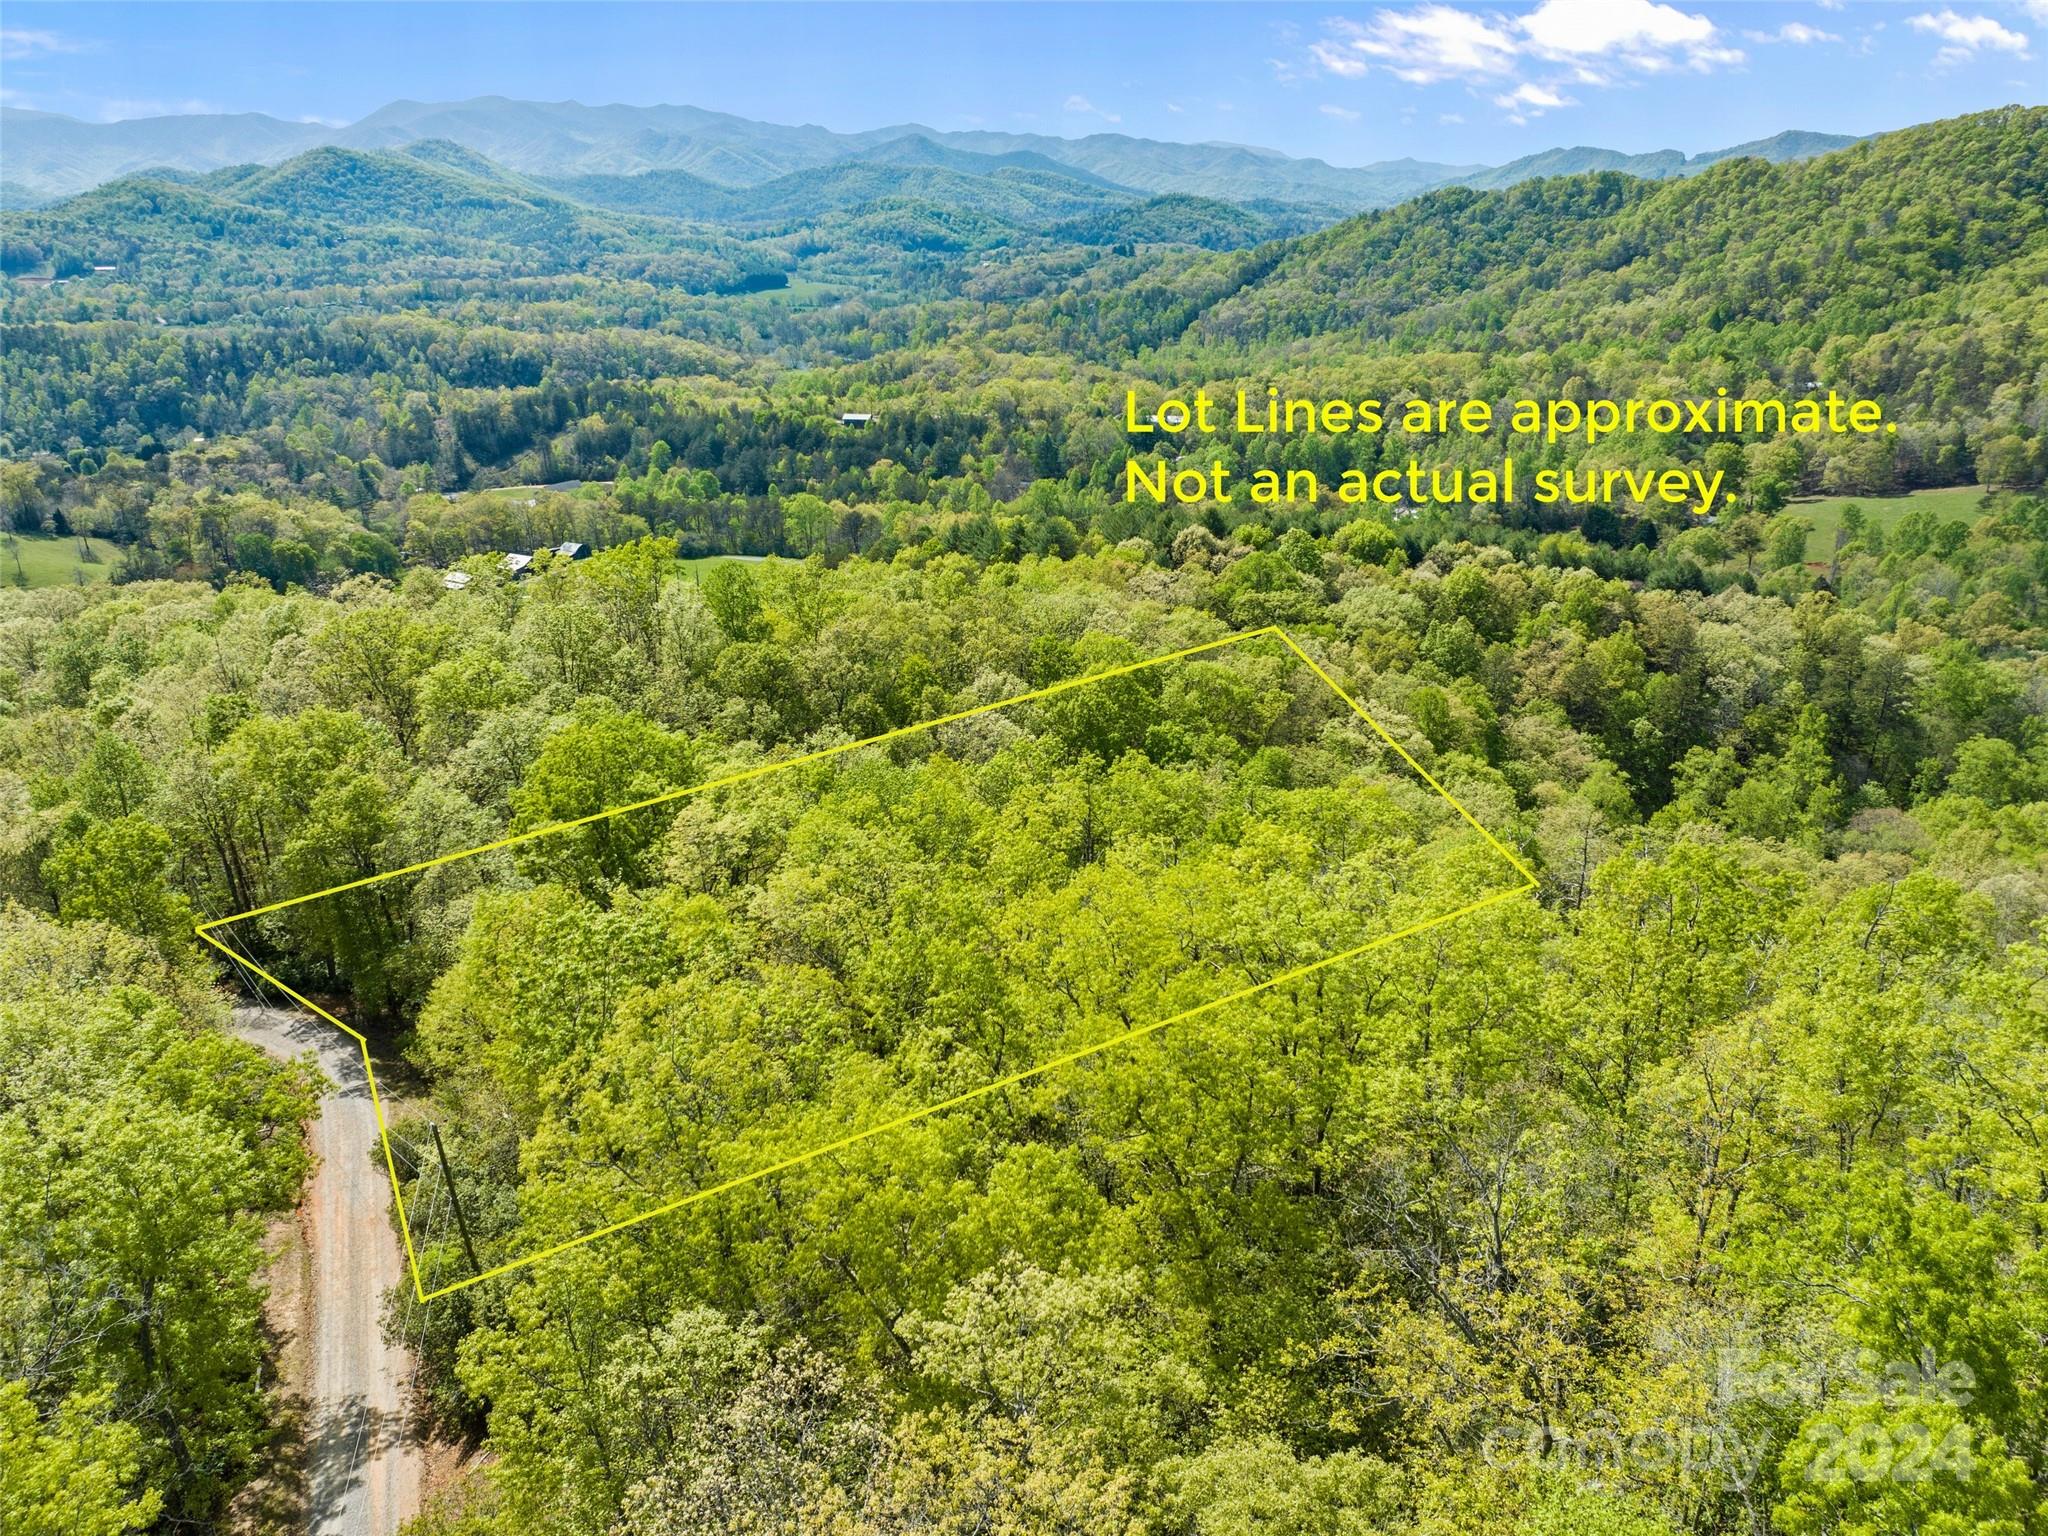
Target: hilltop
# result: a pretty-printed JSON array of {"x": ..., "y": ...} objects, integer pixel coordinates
[
  {"x": 48, "y": 155},
  {"x": 339, "y": 216},
  {"x": 1745, "y": 257},
  {"x": 336, "y": 215},
  {"x": 1657, "y": 165},
  {"x": 1740, "y": 242}
]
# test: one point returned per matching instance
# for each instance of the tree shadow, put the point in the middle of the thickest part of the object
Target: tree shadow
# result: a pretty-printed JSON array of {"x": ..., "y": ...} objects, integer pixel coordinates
[{"x": 350, "y": 1437}]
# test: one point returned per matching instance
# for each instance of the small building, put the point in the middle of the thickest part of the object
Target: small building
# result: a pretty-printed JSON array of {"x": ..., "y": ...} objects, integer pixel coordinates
[
  {"x": 515, "y": 565},
  {"x": 33, "y": 280},
  {"x": 571, "y": 550},
  {"x": 856, "y": 418},
  {"x": 455, "y": 581},
  {"x": 102, "y": 271}
]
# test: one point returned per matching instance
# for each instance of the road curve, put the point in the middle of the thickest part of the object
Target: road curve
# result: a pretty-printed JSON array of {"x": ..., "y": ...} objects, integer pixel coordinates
[{"x": 364, "y": 1470}]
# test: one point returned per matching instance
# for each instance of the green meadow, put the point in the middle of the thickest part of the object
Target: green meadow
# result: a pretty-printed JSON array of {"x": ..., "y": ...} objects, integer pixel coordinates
[
  {"x": 45, "y": 560},
  {"x": 1952, "y": 504}
]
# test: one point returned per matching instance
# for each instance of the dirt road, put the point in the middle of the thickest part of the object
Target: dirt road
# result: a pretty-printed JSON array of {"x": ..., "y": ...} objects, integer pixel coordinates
[{"x": 364, "y": 1470}]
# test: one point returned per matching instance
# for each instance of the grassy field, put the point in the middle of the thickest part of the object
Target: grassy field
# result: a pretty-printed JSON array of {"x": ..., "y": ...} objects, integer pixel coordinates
[
  {"x": 1956, "y": 504},
  {"x": 702, "y": 563},
  {"x": 48, "y": 561}
]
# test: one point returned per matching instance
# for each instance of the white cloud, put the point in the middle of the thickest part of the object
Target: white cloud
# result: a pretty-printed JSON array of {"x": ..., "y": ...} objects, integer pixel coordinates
[
  {"x": 1337, "y": 61},
  {"x": 1450, "y": 119},
  {"x": 1081, "y": 105},
  {"x": 1797, "y": 33},
  {"x": 1175, "y": 107},
  {"x": 1532, "y": 98},
  {"x": 1963, "y": 37},
  {"x": 1588, "y": 42},
  {"x": 1574, "y": 28},
  {"x": 1596, "y": 36},
  {"x": 2038, "y": 9},
  {"x": 1421, "y": 46},
  {"x": 21, "y": 43},
  {"x": 1527, "y": 101},
  {"x": 1342, "y": 114}
]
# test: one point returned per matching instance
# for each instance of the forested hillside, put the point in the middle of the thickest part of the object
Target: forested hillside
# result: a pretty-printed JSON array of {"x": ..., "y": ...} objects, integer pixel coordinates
[
  {"x": 140, "y": 1148},
  {"x": 1777, "y": 254},
  {"x": 1700, "y": 1190},
  {"x": 532, "y": 341},
  {"x": 1654, "y": 166}
]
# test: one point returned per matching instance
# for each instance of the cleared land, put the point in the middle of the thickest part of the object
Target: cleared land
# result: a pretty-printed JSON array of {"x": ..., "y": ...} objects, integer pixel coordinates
[
  {"x": 699, "y": 564},
  {"x": 45, "y": 560},
  {"x": 1952, "y": 504}
]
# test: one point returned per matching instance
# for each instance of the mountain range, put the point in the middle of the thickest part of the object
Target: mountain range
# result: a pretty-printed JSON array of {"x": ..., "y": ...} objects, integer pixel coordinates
[
  {"x": 45, "y": 156},
  {"x": 343, "y": 213}
]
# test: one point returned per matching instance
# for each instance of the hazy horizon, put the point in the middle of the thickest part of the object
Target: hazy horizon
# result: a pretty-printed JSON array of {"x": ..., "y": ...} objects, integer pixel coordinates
[
  {"x": 1536, "y": 143},
  {"x": 1434, "y": 82}
]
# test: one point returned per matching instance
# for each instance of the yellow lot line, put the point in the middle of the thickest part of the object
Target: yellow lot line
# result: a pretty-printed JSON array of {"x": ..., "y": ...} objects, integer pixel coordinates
[{"x": 205, "y": 931}]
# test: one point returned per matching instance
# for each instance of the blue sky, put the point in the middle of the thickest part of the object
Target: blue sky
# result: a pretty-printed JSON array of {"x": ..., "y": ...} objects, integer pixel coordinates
[{"x": 1348, "y": 83}]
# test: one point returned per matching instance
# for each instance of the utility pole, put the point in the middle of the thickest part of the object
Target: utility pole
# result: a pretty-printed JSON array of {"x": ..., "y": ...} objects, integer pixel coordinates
[{"x": 455, "y": 1200}]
